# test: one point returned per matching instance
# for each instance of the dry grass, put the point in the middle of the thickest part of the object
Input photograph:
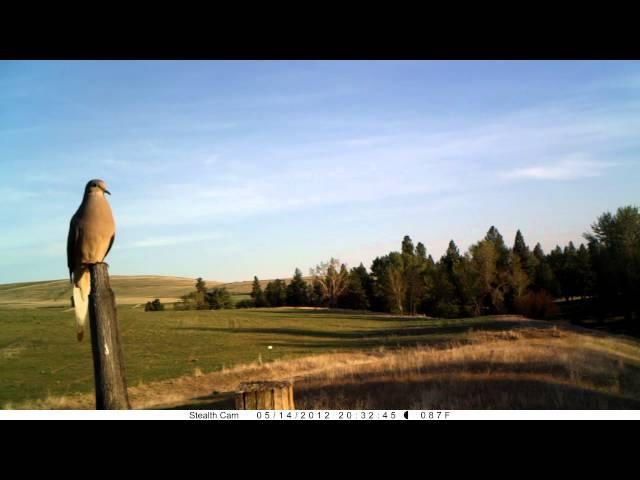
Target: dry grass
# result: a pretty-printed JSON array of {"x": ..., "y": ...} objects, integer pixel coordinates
[{"x": 531, "y": 366}]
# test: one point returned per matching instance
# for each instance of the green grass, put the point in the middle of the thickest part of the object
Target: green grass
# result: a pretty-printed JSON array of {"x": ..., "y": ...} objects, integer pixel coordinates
[{"x": 39, "y": 355}]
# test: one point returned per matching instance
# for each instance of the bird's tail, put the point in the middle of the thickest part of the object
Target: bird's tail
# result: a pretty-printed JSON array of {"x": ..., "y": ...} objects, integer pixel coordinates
[{"x": 81, "y": 290}]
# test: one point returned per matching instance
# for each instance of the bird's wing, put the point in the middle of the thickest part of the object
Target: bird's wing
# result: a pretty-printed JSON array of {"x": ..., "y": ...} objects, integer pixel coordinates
[
  {"x": 110, "y": 245},
  {"x": 72, "y": 245}
]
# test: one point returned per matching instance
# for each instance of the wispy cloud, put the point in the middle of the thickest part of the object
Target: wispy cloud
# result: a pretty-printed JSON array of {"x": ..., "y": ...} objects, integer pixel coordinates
[
  {"x": 564, "y": 169},
  {"x": 539, "y": 143}
]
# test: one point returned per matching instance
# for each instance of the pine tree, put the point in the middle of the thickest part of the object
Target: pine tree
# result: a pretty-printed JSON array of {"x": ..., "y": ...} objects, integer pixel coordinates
[
  {"x": 407, "y": 246},
  {"x": 354, "y": 297},
  {"x": 276, "y": 293},
  {"x": 367, "y": 283},
  {"x": 538, "y": 252},
  {"x": 257, "y": 294},
  {"x": 494, "y": 236},
  {"x": 584, "y": 272},
  {"x": 452, "y": 256},
  {"x": 520, "y": 247},
  {"x": 298, "y": 291},
  {"x": 543, "y": 278}
]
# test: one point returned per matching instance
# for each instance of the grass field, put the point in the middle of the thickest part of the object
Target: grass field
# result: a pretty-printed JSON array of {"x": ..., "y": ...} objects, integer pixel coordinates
[
  {"x": 39, "y": 355},
  {"x": 338, "y": 359}
]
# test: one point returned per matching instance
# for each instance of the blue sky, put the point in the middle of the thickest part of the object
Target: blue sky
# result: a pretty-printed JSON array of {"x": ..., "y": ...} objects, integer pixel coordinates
[{"x": 232, "y": 169}]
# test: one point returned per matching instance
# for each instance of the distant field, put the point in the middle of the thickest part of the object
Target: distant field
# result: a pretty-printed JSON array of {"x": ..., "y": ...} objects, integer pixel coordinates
[
  {"x": 338, "y": 359},
  {"x": 129, "y": 290}
]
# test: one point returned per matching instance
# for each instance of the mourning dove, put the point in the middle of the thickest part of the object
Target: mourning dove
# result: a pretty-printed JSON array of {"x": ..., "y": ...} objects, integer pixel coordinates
[{"x": 91, "y": 234}]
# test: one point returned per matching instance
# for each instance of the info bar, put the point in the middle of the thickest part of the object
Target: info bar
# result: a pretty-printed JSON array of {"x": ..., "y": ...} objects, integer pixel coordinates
[{"x": 320, "y": 415}]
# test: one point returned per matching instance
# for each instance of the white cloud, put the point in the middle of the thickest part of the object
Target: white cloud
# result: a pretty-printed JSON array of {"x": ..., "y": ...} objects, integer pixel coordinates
[{"x": 564, "y": 169}]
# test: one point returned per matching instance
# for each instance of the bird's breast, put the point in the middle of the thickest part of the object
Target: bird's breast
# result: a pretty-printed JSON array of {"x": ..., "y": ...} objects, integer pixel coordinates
[{"x": 98, "y": 227}]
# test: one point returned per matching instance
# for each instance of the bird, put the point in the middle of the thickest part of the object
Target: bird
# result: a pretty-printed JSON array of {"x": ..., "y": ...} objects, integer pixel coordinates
[{"x": 92, "y": 231}]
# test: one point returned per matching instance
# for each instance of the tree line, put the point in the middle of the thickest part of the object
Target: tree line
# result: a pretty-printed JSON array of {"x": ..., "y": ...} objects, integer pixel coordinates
[{"x": 489, "y": 278}]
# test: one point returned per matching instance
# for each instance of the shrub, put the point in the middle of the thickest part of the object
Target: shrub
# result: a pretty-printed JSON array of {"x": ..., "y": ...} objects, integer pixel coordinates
[
  {"x": 539, "y": 305},
  {"x": 444, "y": 309},
  {"x": 246, "y": 303},
  {"x": 218, "y": 298},
  {"x": 155, "y": 306}
]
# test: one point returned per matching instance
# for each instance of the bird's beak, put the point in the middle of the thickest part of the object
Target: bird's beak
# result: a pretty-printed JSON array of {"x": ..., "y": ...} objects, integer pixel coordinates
[{"x": 107, "y": 192}]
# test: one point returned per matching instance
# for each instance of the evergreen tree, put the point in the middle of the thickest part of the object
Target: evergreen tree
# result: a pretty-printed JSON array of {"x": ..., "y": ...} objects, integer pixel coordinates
[
  {"x": 318, "y": 298},
  {"x": 538, "y": 253},
  {"x": 413, "y": 273},
  {"x": 367, "y": 283},
  {"x": 298, "y": 291},
  {"x": 569, "y": 272},
  {"x": 615, "y": 255},
  {"x": 257, "y": 294},
  {"x": 452, "y": 256},
  {"x": 354, "y": 297},
  {"x": 527, "y": 260},
  {"x": 584, "y": 272},
  {"x": 543, "y": 277},
  {"x": 449, "y": 293},
  {"x": 494, "y": 236},
  {"x": 276, "y": 293},
  {"x": 407, "y": 246},
  {"x": 520, "y": 247}
]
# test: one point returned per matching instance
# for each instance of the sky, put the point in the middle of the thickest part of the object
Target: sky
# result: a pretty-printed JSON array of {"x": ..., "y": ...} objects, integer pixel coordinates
[{"x": 230, "y": 169}]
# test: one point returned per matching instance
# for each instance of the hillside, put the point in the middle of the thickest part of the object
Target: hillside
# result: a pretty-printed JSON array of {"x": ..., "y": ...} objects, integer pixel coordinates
[{"x": 128, "y": 290}]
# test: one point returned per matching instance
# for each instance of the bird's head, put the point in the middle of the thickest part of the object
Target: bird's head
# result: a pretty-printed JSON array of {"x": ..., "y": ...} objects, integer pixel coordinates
[{"x": 96, "y": 186}]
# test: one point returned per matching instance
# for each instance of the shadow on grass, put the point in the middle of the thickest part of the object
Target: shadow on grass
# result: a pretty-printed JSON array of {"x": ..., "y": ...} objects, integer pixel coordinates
[
  {"x": 476, "y": 384},
  {"x": 454, "y": 393},
  {"x": 481, "y": 393},
  {"x": 215, "y": 401},
  {"x": 408, "y": 331},
  {"x": 343, "y": 313}
]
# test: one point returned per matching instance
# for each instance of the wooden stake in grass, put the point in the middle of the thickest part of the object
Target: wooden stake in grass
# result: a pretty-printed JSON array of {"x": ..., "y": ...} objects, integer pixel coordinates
[
  {"x": 265, "y": 396},
  {"x": 108, "y": 362}
]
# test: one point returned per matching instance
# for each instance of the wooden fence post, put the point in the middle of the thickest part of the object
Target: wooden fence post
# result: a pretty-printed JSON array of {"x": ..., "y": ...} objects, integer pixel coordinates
[
  {"x": 108, "y": 362},
  {"x": 265, "y": 396}
]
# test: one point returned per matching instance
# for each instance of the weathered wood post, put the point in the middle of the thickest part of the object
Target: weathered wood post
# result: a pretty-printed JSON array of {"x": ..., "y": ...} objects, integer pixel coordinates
[
  {"x": 265, "y": 396},
  {"x": 108, "y": 362}
]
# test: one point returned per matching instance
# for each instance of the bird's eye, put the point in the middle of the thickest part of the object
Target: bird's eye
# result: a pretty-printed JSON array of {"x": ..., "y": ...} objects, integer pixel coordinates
[{"x": 94, "y": 185}]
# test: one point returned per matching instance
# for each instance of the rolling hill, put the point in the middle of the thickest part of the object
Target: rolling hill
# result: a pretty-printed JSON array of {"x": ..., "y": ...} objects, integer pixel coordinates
[{"x": 129, "y": 290}]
